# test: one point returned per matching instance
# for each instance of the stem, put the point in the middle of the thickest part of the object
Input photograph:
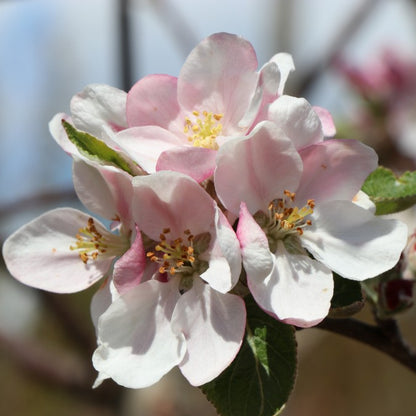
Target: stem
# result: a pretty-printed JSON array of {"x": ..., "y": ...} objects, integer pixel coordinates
[{"x": 385, "y": 337}]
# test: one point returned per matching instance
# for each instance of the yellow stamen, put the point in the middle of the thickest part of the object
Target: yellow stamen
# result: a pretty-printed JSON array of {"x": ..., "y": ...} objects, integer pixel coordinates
[
  {"x": 91, "y": 244},
  {"x": 204, "y": 130},
  {"x": 173, "y": 256},
  {"x": 290, "y": 218}
]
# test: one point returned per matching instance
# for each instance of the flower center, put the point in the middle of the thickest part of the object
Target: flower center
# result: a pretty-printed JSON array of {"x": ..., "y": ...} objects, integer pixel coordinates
[
  {"x": 175, "y": 256},
  {"x": 204, "y": 130},
  {"x": 91, "y": 243},
  {"x": 179, "y": 257},
  {"x": 285, "y": 221}
]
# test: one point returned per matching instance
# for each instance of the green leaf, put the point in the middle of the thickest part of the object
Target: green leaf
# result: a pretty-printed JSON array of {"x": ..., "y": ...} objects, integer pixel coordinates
[
  {"x": 261, "y": 378},
  {"x": 96, "y": 149},
  {"x": 348, "y": 298},
  {"x": 389, "y": 192}
]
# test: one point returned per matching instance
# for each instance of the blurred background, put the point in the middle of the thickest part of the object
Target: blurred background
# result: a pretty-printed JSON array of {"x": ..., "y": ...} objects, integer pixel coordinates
[{"x": 357, "y": 58}]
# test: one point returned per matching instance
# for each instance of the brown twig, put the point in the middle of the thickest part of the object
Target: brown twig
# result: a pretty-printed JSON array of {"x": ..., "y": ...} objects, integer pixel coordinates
[{"x": 385, "y": 337}]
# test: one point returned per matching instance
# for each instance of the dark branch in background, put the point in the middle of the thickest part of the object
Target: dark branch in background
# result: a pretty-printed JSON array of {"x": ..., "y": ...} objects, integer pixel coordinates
[
  {"x": 344, "y": 35},
  {"x": 385, "y": 337},
  {"x": 125, "y": 45},
  {"x": 182, "y": 32}
]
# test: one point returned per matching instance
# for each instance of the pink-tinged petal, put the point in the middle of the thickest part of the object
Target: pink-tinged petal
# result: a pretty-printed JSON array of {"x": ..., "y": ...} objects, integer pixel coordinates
[
  {"x": 219, "y": 76},
  {"x": 145, "y": 144},
  {"x": 129, "y": 269},
  {"x": 213, "y": 325},
  {"x": 39, "y": 254},
  {"x": 171, "y": 200},
  {"x": 298, "y": 290},
  {"x": 353, "y": 242},
  {"x": 152, "y": 101},
  {"x": 328, "y": 125},
  {"x": 256, "y": 169},
  {"x": 196, "y": 162},
  {"x": 99, "y": 105},
  {"x": 104, "y": 190},
  {"x": 257, "y": 258},
  {"x": 334, "y": 169},
  {"x": 58, "y": 133},
  {"x": 136, "y": 344},
  {"x": 296, "y": 117}
]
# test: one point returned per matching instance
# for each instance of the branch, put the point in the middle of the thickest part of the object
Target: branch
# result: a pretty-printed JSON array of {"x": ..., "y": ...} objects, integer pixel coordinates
[
  {"x": 385, "y": 337},
  {"x": 344, "y": 35}
]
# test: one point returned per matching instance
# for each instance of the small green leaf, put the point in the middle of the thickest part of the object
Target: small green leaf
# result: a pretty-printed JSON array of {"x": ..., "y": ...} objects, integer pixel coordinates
[
  {"x": 261, "y": 378},
  {"x": 389, "y": 192},
  {"x": 348, "y": 298},
  {"x": 96, "y": 149}
]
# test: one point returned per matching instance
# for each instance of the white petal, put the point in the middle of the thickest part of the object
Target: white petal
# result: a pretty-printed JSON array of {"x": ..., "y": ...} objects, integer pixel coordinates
[
  {"x": 230, "y": 245},
  {"x": 298, "y": 290},
  {"x": 353, "y": 242},
  {"x": 136, "y": 343},
  {"x": 257, "y": 259},
  {"x": 58, "y": 133},
  {"x": 296, "y": 117},
  {"x": 363, "y": 200},
  {"x": 39, "y": 254},
  {"x": 285, "y": 64},
  {"x": 104, "y": 190},
  {"x": 270, "y": 83},
  {"x": 97, "y": 105},
  {"x": 102, "y": 299},
  {"x": 213, "y": 324}
]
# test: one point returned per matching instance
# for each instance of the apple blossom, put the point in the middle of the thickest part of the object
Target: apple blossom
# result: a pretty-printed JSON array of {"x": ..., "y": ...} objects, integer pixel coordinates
[
  {"x": 179, "y": 123},
  {"x": 66, "y": 250},
  {"x": 180, "y": 314},
  {"x": 298, "y": 222}
]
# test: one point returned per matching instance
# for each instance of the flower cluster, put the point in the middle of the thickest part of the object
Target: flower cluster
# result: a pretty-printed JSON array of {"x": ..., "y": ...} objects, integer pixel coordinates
[{"x": 227, "y": 187}]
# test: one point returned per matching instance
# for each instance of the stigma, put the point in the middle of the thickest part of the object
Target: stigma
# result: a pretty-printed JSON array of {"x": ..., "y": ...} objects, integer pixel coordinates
[
  {"x": 204, "y": 130},
  {"x": 92, "y": 243}
]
